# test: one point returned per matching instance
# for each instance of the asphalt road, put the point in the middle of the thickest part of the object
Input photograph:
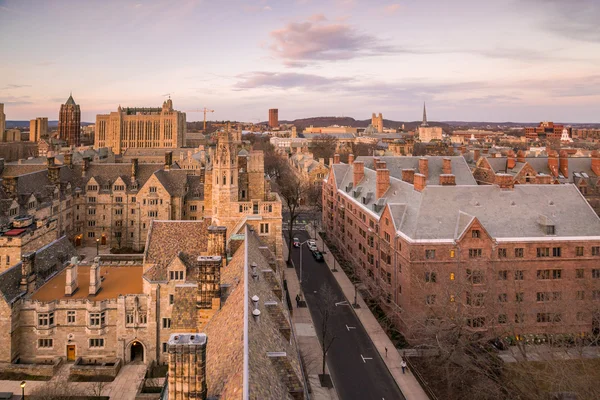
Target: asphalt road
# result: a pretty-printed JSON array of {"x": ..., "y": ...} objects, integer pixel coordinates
[{"x": 357, "y": 370}]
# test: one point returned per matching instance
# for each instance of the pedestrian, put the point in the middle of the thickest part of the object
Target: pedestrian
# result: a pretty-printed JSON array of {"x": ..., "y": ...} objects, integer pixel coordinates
[
  {"x": 403, "y": 365},
  {"x": 386, "y": 352},
  {"x": 298, "y": 300}
]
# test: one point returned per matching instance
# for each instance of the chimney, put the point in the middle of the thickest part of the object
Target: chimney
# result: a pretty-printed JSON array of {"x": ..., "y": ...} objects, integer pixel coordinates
[
  {"x": 596, "y": 162},
  {"x": 336, "y": 158},
  {"x": 476, "y": 154},
  {"x": 447, "y": 180},
  {"x": 564, "y": 163},
  {"x": 330, "y": 161},
  {"x": 69, "y": 160},
  {"x": 520, "y": 156},
  {"x": 322, "y": 161},
  {"x": 408, "y": 175},
  {"x": 510, "y": 160},
  {"x": 95, "y": 280},
  {"x": 54, "y": 174},
  {"x": 50, "y": 161},
  {"x": 10, "y": 184},
  {"x": 543, "y": 179},
  {"x": 446, "y": 166},
  {"x": 358, "y": 170},
  {"x": 505, "y": 181},
  {"x": 383, "y": 182},
  {"x": 71, "y": 278},
  {"x": 187, "y": 366},
  {"x": 553, "y": 162},
  {"x": 28, "y": 277},
  {"x": 424, "y": 167},
  {"x": 134, "y": 169},
  {"x": 420, "y": 182},
  {"x": 350, "y": 159},
  {"x": 86, "y": 165},
  {"x": 217, "y": 241},
  {"x": 168, "y": 160}
]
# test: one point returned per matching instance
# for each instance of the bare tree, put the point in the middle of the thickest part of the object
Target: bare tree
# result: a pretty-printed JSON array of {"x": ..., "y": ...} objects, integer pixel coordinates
[
  {"x": 324, "y": 146},
  {"x": 326, "y": 308}
]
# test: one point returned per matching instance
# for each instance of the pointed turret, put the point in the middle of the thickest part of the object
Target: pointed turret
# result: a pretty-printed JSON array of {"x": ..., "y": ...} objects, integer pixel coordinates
[
  {"x": 424, "y": 123},
  {"x": 70, "y": 100}
]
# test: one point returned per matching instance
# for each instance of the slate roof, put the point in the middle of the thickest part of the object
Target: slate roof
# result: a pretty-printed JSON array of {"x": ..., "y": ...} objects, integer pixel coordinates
[
  {"x": 435, "y": 213},
  {"x": 540, "y": 165},
  {"x": 48, "y": 259},
  {"x": 395, "y": 164}
]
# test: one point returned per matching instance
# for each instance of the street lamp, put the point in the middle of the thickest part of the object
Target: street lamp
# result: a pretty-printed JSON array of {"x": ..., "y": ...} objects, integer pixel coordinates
[
  {"x": 300, "y": 247},
  {"x": 23, "y": 390},
  {"x": 97, "y": 247}
]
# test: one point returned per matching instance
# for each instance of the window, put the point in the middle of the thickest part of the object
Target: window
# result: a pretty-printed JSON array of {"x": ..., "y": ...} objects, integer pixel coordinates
[
  {"x": 13, "y": 211},
  {"x": 556, "y": 252},
  {"x": 119, "y": 187},
  {"x": 164, "y": 347},
  {"x": 143, "y": 318},
  {"x": 519, "y": 252},
  {"x": 519, "y": 318},
  {"x": 98, "y": 319},
  {"x": 451, "y": 276},
  {"x": 549, "y": 273},
  {"x": 7, "y": 260},
  {"x": 45, "y": 319},
  {"x": 171, "y": 299},
  {"x": 502, "y": 319},
  {"x": 502, "y": 298},
  {"x": 503, "y": 275},
  {"x": 387, "y": 237},
  {"x": 91, "y": 223},
  {"x": 45, "y": 343},
  {"x": 91, "y": 235},
  {"x": 92, "y": 187},
  {"x": 579, "y": 251},
  {"x": 519, "y": 297},
  {"x": 91, "y": 211},
  {"x": 152, "y": 189},
  {"x": 549, "y": 317},
  {"x": 580, "y": 295},
  {"x": 579, "y": 273},
  {"x": 176, "y": 275},
  {"x": 70, "y": 317},
  {"x": 543, "y": 251},
  {"x": 430, "y": 299},
  {"x": 501, "y": 253},
  {"x": 475, "y": 253},
  {"x": 475, "y": 277},
  {"x": 166, "y": 323},
  {"x": 475, "y": 233},
  {"x": 430, "y": 254},
  {"x": 193, "y": 208},
  {"x": 596, "y": 251},
  {"x": 596, "y": 273},
  {"x": 264, "y": 228},
  {"x": 129, "y": 318},
  {"x": 91, "y": 199},
  {"x": 96, "y": 343},
  {"x": 153, "y": 213},
  {"x": 31, "y": 205},
  {"x": 430, "y": 277},
  {"x": 133, "y": 200},
  {"x": 118, "y": 199},
  {"x": 519, "y": 275},
  {"x": 477, "y": 322},
  {"x": 119, "y": 211}
]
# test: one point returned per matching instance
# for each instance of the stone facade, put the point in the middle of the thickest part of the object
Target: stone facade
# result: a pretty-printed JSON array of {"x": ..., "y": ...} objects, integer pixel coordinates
[
  {"x": 69, "y": 123},
  {"x": 377, "y": 122},
  {"x": 38, "y": 128},
  {"x": 429, "y": 133},
  {"x": 2, "y": 120},
  {"x": 141, "y": 128}
]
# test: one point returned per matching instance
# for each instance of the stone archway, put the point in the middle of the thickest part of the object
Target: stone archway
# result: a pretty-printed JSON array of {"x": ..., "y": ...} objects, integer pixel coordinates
[{"x": 136, "y": 352}]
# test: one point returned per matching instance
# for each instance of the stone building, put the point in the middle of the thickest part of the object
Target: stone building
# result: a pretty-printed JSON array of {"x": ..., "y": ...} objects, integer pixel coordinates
[
  {"x": 439, "y": 251},
  {"x": 428, "y": 133},
  {"x": 307, "y": 168},
  {"x": 377, "y": 122},
  {"x": 2, "y": 120},
  {"x": 147, "y": 128},
  {"x": 38, "y": 128},
  {"x": 69, "y": 122}
]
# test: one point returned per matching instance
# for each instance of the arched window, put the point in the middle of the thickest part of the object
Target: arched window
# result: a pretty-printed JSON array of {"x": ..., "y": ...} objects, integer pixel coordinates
[{"x": 224, "y": 180}]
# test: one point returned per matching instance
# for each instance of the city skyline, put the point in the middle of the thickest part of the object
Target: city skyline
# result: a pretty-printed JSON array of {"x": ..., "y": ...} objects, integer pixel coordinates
[{"x": 519, "y": 61}]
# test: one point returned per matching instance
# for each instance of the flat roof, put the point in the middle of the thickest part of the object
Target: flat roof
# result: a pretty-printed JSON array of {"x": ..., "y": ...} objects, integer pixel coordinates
[{"x": 117, "y": 280}]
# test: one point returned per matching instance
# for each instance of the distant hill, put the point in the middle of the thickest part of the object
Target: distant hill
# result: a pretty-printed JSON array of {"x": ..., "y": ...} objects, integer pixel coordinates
[
  {"x": 348, "y": 121},
  {"x": 25, "y": 124}
]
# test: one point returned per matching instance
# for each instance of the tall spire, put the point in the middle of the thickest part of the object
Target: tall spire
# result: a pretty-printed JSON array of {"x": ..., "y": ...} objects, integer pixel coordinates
[{"x": 424, "y": 123}]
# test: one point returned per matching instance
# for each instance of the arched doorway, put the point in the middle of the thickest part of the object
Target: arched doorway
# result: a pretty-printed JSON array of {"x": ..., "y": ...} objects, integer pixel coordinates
[
  {"x": 103, "y": 241},
  {"x": 78, "y": 240},
  {"x": 136, "y": 352}
]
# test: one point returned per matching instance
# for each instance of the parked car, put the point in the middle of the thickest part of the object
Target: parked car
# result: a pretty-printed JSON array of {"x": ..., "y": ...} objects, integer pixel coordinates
[
  {"x": 317, "y": 255},
  {"x": 312, "y": 245},
  {"x": 296, "y": 242}
]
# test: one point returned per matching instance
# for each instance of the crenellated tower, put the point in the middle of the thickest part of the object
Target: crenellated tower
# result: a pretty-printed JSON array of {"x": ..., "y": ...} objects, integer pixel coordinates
[{"x": 225, "y": 174}]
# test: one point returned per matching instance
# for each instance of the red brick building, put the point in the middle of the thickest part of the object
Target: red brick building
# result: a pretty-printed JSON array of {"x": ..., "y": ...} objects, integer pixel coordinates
[
  {"x": 69, "y": 122},
  {"x": 545, "y": 130},
  {"x": 501, "y": 260}
]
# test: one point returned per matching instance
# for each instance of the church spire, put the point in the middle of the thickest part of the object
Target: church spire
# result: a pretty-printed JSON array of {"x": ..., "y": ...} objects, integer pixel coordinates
[{"x": 424, "y": 123}]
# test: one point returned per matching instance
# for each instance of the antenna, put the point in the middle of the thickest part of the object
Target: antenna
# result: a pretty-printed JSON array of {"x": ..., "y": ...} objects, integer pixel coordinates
[{"x": 168, "y": 94}]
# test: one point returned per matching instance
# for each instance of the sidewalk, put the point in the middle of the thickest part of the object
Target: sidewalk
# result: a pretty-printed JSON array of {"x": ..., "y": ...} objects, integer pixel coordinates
[
  {"x": 407, "y": 382},
  {"x": 306, "y": 336}
]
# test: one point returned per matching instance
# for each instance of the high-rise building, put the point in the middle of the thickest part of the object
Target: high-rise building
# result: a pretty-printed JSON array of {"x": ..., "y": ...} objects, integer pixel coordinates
[
  {"x": 2, "y": 120},
  {"x": 69, "y": 122},
  {"x": 273, "y": 118},
  {"x": 377, "y": 122},
  {"x": 38, "y": 128},
  {"x": 127, "y": 128}
]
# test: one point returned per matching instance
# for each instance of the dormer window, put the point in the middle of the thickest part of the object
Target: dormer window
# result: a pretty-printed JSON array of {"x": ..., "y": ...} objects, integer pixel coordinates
[
  {"x": 176, "y": 275},
  {"x": 92, "y": 187},
  {"x": 475, "y": 233},
  {"x": 549, "y": 229}
]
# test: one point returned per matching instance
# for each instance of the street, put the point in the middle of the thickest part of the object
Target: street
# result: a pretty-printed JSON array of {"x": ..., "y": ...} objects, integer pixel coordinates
[{"x": 357, "y": 370}]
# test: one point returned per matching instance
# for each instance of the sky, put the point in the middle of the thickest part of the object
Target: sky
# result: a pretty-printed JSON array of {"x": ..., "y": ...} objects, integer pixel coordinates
[{"x": 470, "y": 60}]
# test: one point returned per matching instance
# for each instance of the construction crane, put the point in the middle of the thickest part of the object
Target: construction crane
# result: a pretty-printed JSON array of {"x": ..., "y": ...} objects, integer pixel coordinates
[{"x": 204, "y": 110}]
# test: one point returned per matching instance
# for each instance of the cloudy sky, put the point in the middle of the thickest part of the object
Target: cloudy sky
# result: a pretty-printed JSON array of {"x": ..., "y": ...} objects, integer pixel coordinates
[{"x": 494, "y": 60}]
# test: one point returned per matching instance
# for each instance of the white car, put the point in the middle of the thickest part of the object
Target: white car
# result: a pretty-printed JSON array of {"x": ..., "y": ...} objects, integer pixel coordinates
[{"x": 312, "y": 245}]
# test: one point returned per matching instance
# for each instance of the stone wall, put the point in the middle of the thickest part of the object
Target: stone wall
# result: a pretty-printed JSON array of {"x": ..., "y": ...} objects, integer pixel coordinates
[
  {"x": 81, "y": 370},
  {"x": 43, "y": 370}
]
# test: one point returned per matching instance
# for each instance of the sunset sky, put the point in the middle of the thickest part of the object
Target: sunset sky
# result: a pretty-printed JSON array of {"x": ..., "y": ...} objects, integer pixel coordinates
[{"x": 473, "y": 60}]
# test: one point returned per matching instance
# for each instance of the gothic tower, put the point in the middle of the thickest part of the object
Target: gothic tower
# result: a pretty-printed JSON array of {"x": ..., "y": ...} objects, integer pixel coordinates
[
  {"x": 225, "y": 175},
  {"x": 69, "y": 122},
  {"x": 424, "y": 123}
]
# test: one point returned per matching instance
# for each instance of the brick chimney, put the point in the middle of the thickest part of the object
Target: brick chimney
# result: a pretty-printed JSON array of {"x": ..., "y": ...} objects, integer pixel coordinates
[
  {"x": 505, "y": 181},
  {"x": 28, "y": 277},
  {"x": 71, "y": 278},
  {"x": 187, "y": 366},
  {"x": 85, "y": 166},
  {"x": 447, "y": 179},
  {"x": 10, "y": 184},
  {"x": 596, "y": 162},
  {"x": 510, "y": 160},
  {"x": 543, "y": 179},
  {"x": 322, "y": 161},
  {"x": 217, "y": 241},
  {"x": 336, "y": 158},
  {"x": 424, "y": 167},
  {"x": 383, "y": 182},
  {"x": 95, "y": 280},
  {"x": 408, "y": 175},
  {"x": 420, "y": 182},
  {"x": 520, "y": 156},
  {"x": 381, "y": 165},
  {"x": 69, "y": 160},
  {"x": 358, "y": 170},
  {"x": 350, "y": 158},
  {"x": 553, "y": 162},
  {"x": 53, "y": 172},
  {"x": 330, "y": 160},
  {"x": 168, "y": 160},
  {"x": 134, "y": 169},
  {"x": 476, "y": 154},
  {"x": 564, "y": 163},
  {"x": 446, "y": 166},
  {"x": 50, "y": 161}
]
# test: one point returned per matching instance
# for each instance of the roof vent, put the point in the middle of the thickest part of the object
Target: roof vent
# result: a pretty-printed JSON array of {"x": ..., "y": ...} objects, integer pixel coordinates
[
  {"x": 551, "y": 203},
  {"x": 255, "y": 301},
  {"x": 256, "y": 315},
  {"x": 349, "y": 187}
]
